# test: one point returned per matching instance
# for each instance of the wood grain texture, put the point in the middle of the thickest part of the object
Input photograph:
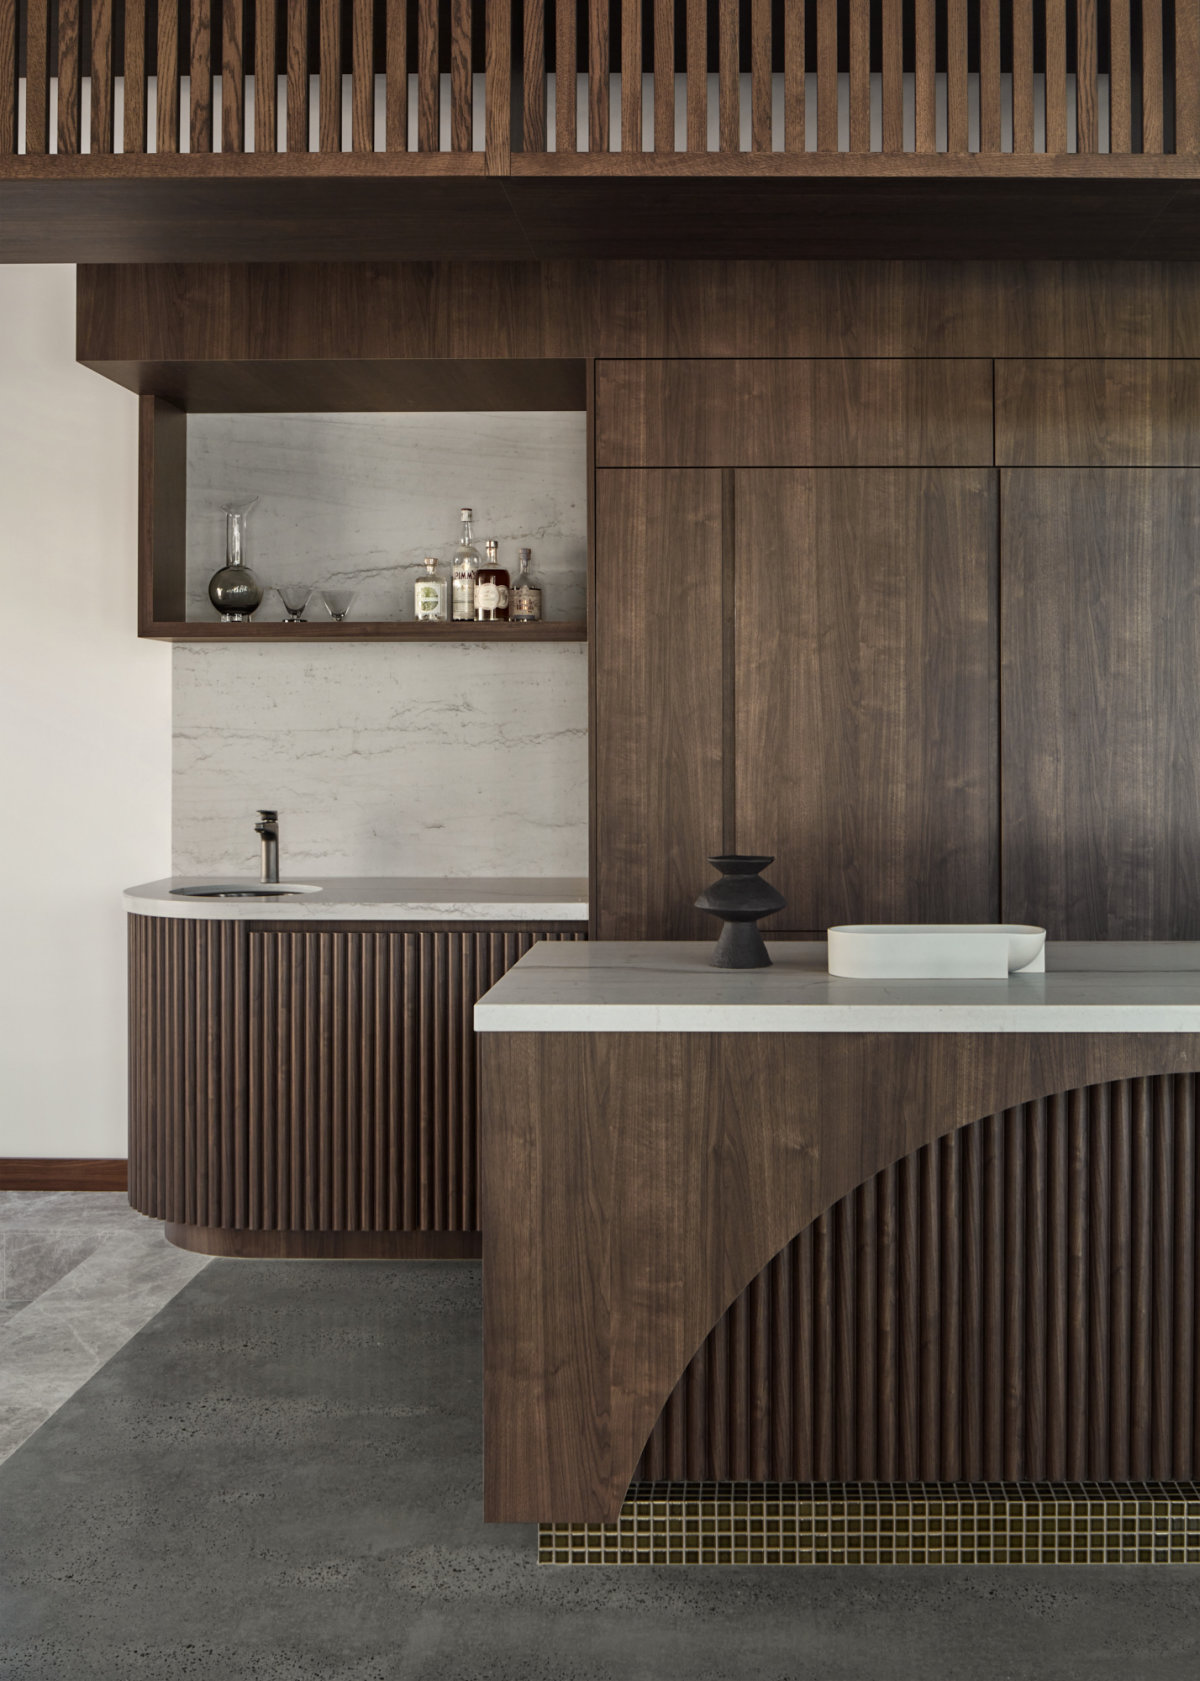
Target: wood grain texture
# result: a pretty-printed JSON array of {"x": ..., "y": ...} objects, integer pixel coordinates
[
  {"x": 925, "y": 74},
  {"x": 396, "y": 94},
  {"x": 200, "y": 76},
  {"x": 1120, "y": 77},
  {"x": 429, "y": 98},
  {"x": 566, "y": 59},
  {"x": 989, "y": 76},
  {"x": 612, "y": 1247},
  {"x": 598, "y": 61},
  {"x": 533, "y": 76},
  {"x": 1098, "y": 412},
  {"x": 8, "y": 76},
  {"x": 101, "y": 70},
  {"x": 761, "y": 59},
  {"x": 296, "y": 13},
  {"x": 1087, "y": 89},
  {"x": 329, "y": 101},
  {"x": 362, "y": 76},
  {"x": 167, "y": 81},
  {"x": 162, "y": 512},
  {"x": 70, "y": 77},
  {"x": 892, "y": 78},
  {"x": 827, "y": 75},
  {"x": 233, "y": 77},
  {"x": 956, "y": 78},
  {"x": 61, "y": 1173},
  {"x": 37, "y": 76},
  {"x": 657, "y": 706},
  {"x": 266, "y": 88},
  {"x": 866, "y": 718},
  {"x": 134, "y": 117},
  {"x": 664, "y": 75},
  {"x": 729, "y": 116},
  {"x": 1056, "y": 76},
  {"x": 1101, "y": 813},
  {"x": 290, "y": 1080},
  {"x": 1153, "y": 86},
  {"x": 860, "y": 79},
  {"x": 498, "y": 101},
  {"x": 631, "y": 75},
  {"x": 1040, "y": 1170},
  {"x": 782, "y": 413},
  {"x": 461, "y": 91},
  {"x": 1187, "y": 78},
  {"x": 1022, "y": 76},
  {"x": 793, "y": 75}
]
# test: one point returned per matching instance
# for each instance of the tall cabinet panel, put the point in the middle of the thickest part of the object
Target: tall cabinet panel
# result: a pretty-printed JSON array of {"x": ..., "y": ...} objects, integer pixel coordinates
[
  {"x": 865, "y": 691},
  {"x": 658, "y": 714},
  {"x": 1101, "y": 651}
]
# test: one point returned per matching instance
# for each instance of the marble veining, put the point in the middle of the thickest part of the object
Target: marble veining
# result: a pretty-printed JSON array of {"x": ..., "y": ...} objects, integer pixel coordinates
[
  {"x": 383, "y": 759},
  {"x": 661, "y": 987},
  {"x": 379, "y": 899},
  {"x": 359, "y": 499}
]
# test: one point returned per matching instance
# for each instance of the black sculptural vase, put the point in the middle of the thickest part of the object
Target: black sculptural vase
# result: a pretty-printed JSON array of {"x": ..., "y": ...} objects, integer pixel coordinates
[{"x": 739, "y": 899}]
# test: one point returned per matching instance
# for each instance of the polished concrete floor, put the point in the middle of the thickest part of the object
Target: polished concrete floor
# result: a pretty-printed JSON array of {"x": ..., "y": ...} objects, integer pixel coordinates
[{"x": 278, "y": 1479}]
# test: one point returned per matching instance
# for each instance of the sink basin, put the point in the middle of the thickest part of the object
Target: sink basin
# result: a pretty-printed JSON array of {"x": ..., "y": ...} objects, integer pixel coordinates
[
  {"x": 936, "y": 950},
  {"x": 243, "y": 890}
]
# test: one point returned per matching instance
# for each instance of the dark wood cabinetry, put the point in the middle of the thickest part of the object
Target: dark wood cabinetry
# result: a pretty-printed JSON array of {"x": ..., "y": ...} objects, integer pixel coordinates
[{"x": 310, "y": 1089}]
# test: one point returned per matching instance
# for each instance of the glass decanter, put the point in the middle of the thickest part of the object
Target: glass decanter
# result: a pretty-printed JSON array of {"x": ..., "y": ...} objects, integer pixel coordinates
[{"x": 234, "y": 591}]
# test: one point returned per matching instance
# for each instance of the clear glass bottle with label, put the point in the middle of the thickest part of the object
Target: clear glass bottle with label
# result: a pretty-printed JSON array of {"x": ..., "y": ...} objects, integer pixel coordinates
[
  {"x": 463, "y": 567},
  {"x": 491, "y": 586},
  {"x": 429, "y": 593},
  {"x": 525, "y": 597}
]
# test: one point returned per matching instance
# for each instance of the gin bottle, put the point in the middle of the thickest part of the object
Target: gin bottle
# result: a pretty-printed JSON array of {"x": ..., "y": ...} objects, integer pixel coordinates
[
  {"x": 429, "y": 593},
  {"x": 464, "y": 566},
  {"x": 491, "y": 586},
  {"x": 524, "y": 598}
]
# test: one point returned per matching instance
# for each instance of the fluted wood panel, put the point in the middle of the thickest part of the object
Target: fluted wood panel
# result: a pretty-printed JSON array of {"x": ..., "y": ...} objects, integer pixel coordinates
[
  {"x": 308, "y": 1079},
  {"x": 1016, "y": 1301}
]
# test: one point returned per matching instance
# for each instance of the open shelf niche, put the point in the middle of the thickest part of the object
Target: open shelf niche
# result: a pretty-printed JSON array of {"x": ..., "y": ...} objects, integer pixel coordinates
[{"x": 357, "y": 503}]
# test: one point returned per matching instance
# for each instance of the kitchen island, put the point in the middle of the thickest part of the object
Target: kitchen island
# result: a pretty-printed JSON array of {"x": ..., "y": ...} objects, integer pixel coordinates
[{"x": 657, "y": 1134}]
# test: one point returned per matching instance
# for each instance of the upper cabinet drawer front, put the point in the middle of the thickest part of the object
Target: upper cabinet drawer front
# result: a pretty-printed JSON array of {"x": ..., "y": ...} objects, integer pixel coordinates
[
  {"x": 835, "y": 412},
  {"x": 1098, "y": 412}
]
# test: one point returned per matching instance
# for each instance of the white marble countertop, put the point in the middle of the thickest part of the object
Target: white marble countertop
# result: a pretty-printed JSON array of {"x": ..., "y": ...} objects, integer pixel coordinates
[
  {"x": 659, "y": 987},
  {"x": 376, "y": 899}
]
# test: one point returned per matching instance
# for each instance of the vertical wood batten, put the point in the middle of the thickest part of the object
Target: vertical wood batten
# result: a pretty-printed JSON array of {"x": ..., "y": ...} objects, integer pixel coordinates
[
  {"x": 664, "y": 75},
  {"x": 566, "y": 62},
  {"x": 1022, "y": 76},
  {"x": 296, "y": 12},
  {"x": 201, "y": 77},
  {"x": 956, "y": 78},
  {"x": 1187, "y": 77},
  {"x": 533, "y": 77},
  {"x": 1120, "y": 77},
  {"x": 794, "y": 139},
  {"x": 729, "y": 120},
  {"x": 460, "y": 76},
  {"x": 70, "y": 79},
  {"x": 990, "y": 130},
  {"x": 827, "y": 76},
  {"x": 233, "y": 78},
  {"x": 428, "y": 80},
  {"x": 860, "y": 78},
  {"x": 167, "y": 80},
  {"x": 133, "y": 137},
  {"x": 498, "y": 87},
  {"x": 9, "y": 139},
  {"x": 598, "y": 49},
  {"x": 1153, "y": 90},
  {"x": 37, "y": 76},
  {"x": 1087, "y": 87},
  {"x": 1056, "y": 76},
  {"x": 102, "y": 81},
  {"x": 266, "y": 135},
  {"x": 697, "y": 76},
  {"x": 925, "y": 75},
  {"x": 329, "y": 103},
  {"x": 760, "y": 76},
  {"x": 362, "y": 77},
  {"x": 396, "y": 76},
  {"x": 631, "y": 75}
]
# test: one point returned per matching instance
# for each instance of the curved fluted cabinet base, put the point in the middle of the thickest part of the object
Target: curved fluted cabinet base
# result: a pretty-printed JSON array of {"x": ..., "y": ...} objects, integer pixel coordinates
[{"x": 326, "y": 1246}]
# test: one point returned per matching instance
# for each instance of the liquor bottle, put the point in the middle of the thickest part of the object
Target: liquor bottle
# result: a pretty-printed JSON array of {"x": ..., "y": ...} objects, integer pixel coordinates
[
  {"x": 524, "y": 598},
  {"x": 464, "y": 566},
  {"x": 491, "y": 585},
  {"x": 429, "y": 593}
]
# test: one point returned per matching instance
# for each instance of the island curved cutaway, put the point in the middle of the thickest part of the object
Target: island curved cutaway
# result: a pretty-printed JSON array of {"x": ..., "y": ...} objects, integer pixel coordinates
[
  {"x": 778, "y": 1225},
  {"x": 302, "y": 1069}
]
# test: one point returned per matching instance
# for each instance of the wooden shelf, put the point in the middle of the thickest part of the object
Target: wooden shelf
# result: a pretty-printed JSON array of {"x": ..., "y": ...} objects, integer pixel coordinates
[{"x": 390, "y": 630}]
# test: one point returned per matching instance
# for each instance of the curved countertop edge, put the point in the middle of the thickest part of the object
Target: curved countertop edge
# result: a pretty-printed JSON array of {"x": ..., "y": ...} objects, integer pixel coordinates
[
  {"x": 659, "y": 987},
  {"x": 547, "y": 899}
]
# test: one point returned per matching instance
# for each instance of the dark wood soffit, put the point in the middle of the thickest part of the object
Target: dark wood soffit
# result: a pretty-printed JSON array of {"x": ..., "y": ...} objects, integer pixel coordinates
[
  {"x": 215, "y": 312},
  {"x": 54, "y": 1173},
  {"x": 469, "y": 218}
]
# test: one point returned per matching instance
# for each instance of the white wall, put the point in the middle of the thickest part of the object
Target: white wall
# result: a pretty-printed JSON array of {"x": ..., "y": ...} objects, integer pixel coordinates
[{"x": 85, "y": 743}]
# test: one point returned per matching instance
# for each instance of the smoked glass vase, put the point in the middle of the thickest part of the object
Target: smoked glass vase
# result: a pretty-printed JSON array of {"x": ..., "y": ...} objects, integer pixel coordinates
[{"x": 234, "y": 591}]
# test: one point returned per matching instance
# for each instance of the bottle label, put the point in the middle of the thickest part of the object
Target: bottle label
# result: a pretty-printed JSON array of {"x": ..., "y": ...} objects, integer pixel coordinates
[
  {"x": 503, "y": 589},
  {"x": 429, "y": 601},
  {"x": 464, "y": 598},
  {"x": 488, "y": 597},
  {"x": 525, "y": 603}
]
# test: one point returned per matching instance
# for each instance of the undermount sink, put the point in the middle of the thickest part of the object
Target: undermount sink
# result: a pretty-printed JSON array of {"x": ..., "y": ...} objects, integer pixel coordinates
[
  {"x": 937, "y": 951},
  {"x": 243, "y": 890}
]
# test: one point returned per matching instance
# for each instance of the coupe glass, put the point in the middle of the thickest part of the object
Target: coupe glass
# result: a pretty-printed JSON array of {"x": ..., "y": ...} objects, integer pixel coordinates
[
  {"x": 338, "y": 603},
  {"x": 295, "y": 600}
]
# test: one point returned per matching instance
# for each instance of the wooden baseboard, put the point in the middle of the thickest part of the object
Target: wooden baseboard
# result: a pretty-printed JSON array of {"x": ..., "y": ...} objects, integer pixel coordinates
[{"x": 54, "y": 1173}]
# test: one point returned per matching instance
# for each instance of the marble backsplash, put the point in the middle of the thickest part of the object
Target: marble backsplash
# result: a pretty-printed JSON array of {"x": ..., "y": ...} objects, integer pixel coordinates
[
  {"x": 359, "y": 499},
  {"x": 383, "y": 759}
]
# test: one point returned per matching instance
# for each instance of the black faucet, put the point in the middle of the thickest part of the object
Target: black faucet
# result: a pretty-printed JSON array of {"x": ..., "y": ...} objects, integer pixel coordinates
[{"x": 268, "y": 827}]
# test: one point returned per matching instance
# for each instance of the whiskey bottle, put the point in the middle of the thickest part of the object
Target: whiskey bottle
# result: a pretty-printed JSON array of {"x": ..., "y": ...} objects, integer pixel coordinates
[
  {"x": 464, "y": 566},
  {"x": 491, "y": 586},
  {"x": 524, "y": 598},
  {"x": 429, "y": 593}
]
